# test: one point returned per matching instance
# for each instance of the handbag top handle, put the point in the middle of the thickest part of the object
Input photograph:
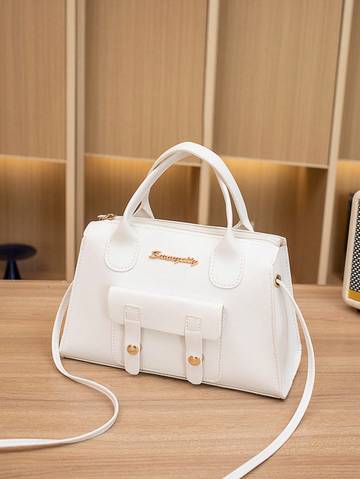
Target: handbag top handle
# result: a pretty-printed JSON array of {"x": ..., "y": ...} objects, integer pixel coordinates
[{"x": 178, "y": 153}]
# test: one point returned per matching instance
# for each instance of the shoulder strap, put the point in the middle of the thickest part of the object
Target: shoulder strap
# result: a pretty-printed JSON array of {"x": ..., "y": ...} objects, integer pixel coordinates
[
  {"x": 300, "y": 410},
  {"x": 27, "y": 443},
  {"x": 237, "y": 473}
]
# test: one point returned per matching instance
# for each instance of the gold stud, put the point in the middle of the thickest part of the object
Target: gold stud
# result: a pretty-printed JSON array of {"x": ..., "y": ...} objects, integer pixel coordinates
[
  {"x": 133, "y": 349},
  {"x": 194, "y": 360}
]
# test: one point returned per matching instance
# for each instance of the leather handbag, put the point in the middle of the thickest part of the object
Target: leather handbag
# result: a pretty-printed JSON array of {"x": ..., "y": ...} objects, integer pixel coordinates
[{"x": 208, "y": 305}]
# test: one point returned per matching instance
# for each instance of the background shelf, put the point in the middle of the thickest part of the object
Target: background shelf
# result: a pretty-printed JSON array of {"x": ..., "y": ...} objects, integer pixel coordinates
[
  {"x": 348, "y": 164},
  {"x": 350, "y": 138},
  {"x": 145, "y": 65},
  {"x": 276, "y": 76},
  {"x": 32, "y": 199},
  {"x": 32, "y": 133},
  {"x": 347, "y": 182},
  {"x": 91, "y": 91},
  {"x": 32, "y": 87},
  {"x": 284, "y": 200}
]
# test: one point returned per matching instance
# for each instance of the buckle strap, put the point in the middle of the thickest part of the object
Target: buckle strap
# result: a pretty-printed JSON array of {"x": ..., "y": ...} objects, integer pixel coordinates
[
  {"x": 193, "y": 350},
  {"x": 132, "y": 338}
]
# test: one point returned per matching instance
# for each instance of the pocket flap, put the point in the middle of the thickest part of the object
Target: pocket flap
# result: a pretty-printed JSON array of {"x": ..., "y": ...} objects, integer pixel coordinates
[{"x": 164, "y": 313}]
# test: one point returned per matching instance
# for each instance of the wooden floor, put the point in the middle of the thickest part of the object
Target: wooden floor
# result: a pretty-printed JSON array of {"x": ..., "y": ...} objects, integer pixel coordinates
[{"x": 169, "y": 428}]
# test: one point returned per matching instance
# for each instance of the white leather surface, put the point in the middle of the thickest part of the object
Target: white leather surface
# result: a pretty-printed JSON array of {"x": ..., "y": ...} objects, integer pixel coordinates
[
  {"x": 166, "y": 313},
  {"x": 250, "y": 341},
  {"x": 258, "y": 349}
]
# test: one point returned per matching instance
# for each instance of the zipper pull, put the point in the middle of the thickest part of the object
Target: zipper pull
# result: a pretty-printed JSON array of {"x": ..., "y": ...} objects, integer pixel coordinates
[{"x": 108, "y": 216}]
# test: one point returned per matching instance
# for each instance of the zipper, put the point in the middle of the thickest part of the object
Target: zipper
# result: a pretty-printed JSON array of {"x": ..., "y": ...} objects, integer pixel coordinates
[{"x": 214, "y": 230}]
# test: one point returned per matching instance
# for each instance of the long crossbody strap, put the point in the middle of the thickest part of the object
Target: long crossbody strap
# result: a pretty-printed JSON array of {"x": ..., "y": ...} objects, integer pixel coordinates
[
  {"x": 33, "y": 442},
  {"x": 300, "y": 410},
  {"x": 237, "y": 473}
]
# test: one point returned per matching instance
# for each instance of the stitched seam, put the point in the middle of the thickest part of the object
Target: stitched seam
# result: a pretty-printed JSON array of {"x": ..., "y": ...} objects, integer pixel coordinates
[
  {"x": 193, "y": 327},
  {"x": 206, "y": 377},
  {"x": 129, "y": 308},
  {"x": 128, "y": 266},
  {"x": 232, "y": 284},
  {"x": 293, "y": 323},
  {"x": 219, "y": 355},
  {"x": 289, "y": 283},
  {"x": 273, "y": 329},
  {"x": 173, "y": 376},
  {"x": 285, "y": 271}
]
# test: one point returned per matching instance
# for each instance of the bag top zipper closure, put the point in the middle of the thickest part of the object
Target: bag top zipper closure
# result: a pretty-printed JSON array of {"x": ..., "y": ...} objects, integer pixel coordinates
[{"x": 215, "y": 230}]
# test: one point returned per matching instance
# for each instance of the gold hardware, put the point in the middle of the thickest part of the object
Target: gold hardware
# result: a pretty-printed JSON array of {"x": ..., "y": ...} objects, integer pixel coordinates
[
  {"x": 133, "y": 349},
  {"x": 108, "y": 216},
  {"x": 276, "y": 281},
  {"x": 194, "y": 360},
  {"x": 173, "y": 259}
]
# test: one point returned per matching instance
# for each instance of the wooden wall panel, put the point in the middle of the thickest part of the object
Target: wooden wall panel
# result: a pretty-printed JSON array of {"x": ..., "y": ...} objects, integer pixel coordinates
[
  {"x": 350, "y": 141},
  {"x": 32, "y": 80},
  {"x": 283, "y": 200},
  {"x": 304, "y": 244},
  {"x": 32, "y": 211},
  {"x": 144, "y": 75},
  {"x": 276, "y": 78},
  {"x": 348, "y": 181},
  {"x": 111, "y": 183}
]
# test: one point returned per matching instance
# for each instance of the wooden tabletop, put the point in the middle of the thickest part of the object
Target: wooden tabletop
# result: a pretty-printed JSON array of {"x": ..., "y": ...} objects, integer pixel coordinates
[{"x": 169, "y": 428}]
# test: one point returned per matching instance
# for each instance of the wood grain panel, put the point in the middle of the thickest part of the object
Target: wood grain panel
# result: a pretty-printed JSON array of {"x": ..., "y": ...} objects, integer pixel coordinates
[
  {"x": 110, "y": 183},
  {"x": 32, "y": 80},
  {"x": 305, "y": 242},
  {"x": 347, "y": 181},
  {"x": 168, "y": 428},
  {"x": 144, "y": 73},
  {"x": 32, "y": 211},
  {"x": 350, "y": 141},
  {"x": 284, "y": 200},
  {"x": 276, "y": 78}
]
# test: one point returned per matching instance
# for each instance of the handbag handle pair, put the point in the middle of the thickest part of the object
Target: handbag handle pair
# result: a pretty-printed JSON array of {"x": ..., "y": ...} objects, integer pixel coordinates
[
  {"x": 226, "y": 261},
  {"x": 176, "y": 154}
]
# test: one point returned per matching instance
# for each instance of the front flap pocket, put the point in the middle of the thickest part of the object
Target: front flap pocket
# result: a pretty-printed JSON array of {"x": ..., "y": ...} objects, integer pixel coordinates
[{"x": 164, "y": 334}]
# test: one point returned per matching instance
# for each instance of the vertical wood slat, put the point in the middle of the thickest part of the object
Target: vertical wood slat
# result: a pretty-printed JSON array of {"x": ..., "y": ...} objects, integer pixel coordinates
[
  {"x": 335, "y": 141},
  {"x": 80, "y": 120},
  {"x": 144, "y": 72},
  {"x": 276, "y": 79},
  {"x": 350, "y": 138},
  {"x": 71, "y": 29},
  {"x": 209, "y": 105},
  {"x": 32, "y": 90}
]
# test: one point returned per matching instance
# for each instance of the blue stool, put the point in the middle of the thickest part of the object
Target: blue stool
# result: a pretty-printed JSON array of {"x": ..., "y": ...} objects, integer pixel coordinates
[{"x": 12, "y": 252}]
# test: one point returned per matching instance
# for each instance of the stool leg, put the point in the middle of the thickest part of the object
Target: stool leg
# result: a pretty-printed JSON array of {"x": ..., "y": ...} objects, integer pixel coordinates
[{"x": 11, "y": 270}]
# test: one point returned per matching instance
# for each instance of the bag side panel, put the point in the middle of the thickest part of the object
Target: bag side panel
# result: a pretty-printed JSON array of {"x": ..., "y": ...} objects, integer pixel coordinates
[{"x": 286, "y": 331}]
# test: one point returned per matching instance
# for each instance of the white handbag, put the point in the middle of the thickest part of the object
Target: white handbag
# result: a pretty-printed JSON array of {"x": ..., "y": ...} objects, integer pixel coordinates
[{"x": 206, "y": 304}]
